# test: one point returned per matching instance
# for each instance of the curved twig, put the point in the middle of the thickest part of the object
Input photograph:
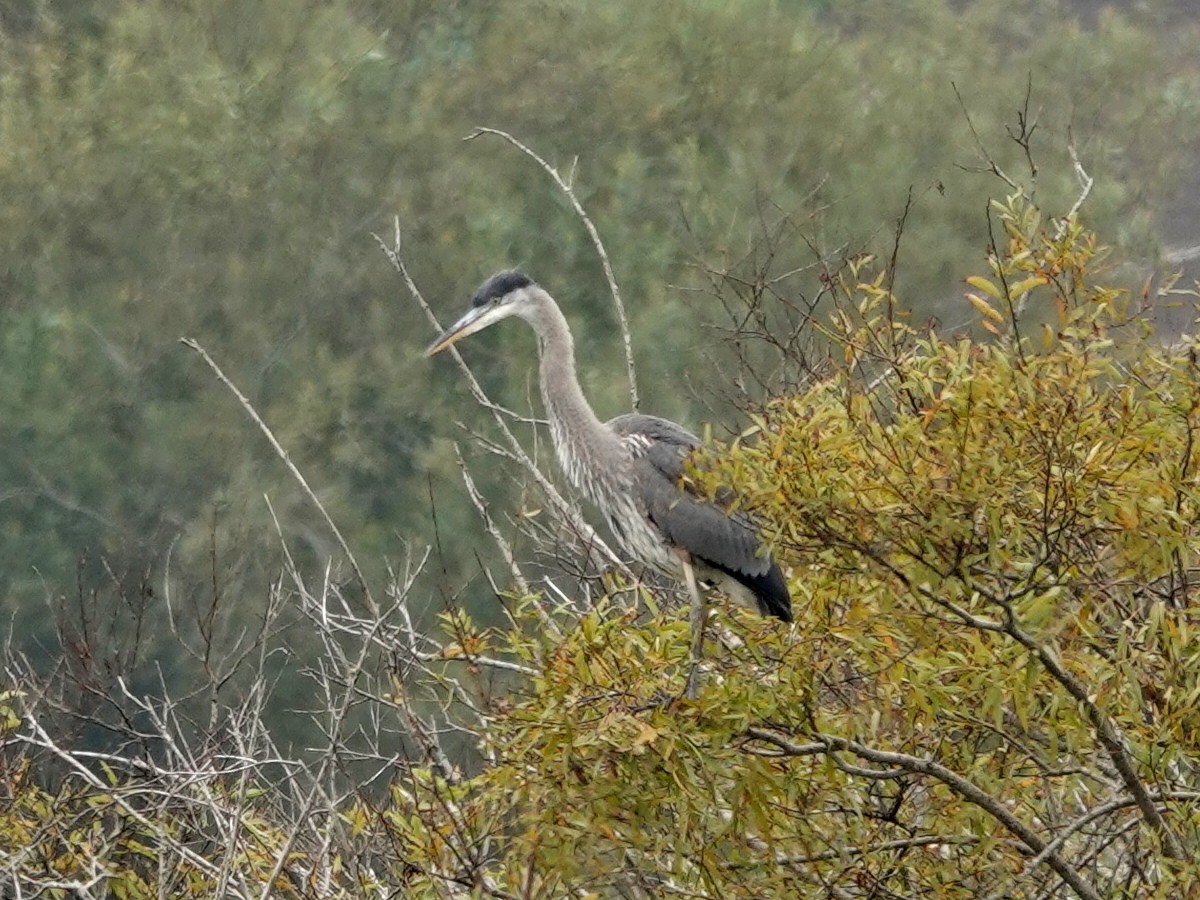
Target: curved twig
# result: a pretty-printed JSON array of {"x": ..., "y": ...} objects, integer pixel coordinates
[
  {"x": 963, "y": 787},
  {"x": 291, "y": 466},
  {"x": 567, "y": 187}
]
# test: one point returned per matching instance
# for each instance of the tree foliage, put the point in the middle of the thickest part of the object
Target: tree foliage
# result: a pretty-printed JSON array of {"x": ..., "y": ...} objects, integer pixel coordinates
[{"x": 990, "y": 689}]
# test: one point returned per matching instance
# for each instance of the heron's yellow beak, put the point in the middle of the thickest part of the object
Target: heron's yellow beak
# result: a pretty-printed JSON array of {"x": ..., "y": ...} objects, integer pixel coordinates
[{"x": 475, "y": 320}]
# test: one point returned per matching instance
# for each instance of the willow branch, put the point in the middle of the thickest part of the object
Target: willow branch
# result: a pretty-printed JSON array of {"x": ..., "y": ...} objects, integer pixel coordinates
[
  {"x": 926, "y": 840},
  {"x": 567, "y": 187},
  {"x": 964, "y": 788},
  {"x": 1109, "y": 735},
  {"x": 1098, "y": 812}
]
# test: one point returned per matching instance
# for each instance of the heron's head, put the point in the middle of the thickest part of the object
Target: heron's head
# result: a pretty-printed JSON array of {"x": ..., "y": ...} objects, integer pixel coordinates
[{"x": 504, "y": 294}]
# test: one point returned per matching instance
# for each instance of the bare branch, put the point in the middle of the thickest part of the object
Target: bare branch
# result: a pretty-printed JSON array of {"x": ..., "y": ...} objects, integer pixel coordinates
[
  {"x": 1085, "y": 188},
  {"x": 291, "y": 466},
  {"x": 567, "y": 187},
  {"x": 992, "y": 166},
  {"x": 514, "y": 568}
]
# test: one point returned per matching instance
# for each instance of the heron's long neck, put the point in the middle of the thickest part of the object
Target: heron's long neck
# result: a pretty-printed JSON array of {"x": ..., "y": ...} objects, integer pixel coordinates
[{"x": 585, "y": 447}]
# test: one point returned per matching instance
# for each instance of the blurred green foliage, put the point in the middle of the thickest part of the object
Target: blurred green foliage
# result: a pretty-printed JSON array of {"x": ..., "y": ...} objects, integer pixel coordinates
[{"x": 215, "y": 168}]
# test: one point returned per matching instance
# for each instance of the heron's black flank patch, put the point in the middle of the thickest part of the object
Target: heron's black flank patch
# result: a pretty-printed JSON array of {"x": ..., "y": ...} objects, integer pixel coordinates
[{"x": 498, "y": 285}]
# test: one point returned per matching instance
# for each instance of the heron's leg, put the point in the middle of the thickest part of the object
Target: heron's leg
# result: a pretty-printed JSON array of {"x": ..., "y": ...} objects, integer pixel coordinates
[{"x": 696, "y": 619}]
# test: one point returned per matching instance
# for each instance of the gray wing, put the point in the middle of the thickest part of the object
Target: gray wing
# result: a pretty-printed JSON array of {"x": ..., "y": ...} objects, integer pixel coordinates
[
  {"x": 659, "y": 449},
  {"x": 728, "y": 543}
]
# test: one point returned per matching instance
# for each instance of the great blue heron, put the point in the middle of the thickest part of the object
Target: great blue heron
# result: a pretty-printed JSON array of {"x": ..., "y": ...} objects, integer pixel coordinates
[{"x": 632, "y": 468}]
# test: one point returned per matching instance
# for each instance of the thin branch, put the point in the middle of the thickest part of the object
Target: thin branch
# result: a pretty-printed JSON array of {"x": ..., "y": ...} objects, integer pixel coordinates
[
  {"x": 1110, "y": 736},
  {"x": 505, "y": 549},
  {"x": 1085, "y": 188},
  {"x": 43, "y": 739},
  {"x": 291, "y": 466},
  {"x": 927, "y": 840},
  {"x": 1098, "y": 812},
  {"x": 992, "y": 165},
  {"x": 567, "y": 187},
  {"x": 961, "y": 786}
]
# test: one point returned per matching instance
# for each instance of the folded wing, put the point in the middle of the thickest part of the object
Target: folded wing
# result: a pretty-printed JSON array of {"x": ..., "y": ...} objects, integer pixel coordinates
[{"x": 726, "y": 542}]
